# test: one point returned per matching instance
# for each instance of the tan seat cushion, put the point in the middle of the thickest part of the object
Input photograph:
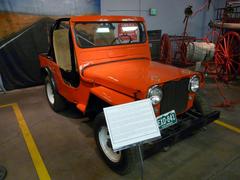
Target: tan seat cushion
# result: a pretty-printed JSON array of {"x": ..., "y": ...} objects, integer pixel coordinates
[{"x": 62, "y": 49}]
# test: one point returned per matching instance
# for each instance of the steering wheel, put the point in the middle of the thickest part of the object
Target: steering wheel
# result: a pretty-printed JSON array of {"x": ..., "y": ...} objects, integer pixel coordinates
[{"x": 119, "y": 38}]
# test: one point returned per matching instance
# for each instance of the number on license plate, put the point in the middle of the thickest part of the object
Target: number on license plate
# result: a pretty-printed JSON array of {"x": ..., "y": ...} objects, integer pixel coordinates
[{"x": 166, "y": 120}]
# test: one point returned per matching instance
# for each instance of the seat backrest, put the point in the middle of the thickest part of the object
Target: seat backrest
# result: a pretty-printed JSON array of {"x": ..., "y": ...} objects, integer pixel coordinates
[
  {"x": 62, "y": 49},
  {"x": 102, "y": 39}
]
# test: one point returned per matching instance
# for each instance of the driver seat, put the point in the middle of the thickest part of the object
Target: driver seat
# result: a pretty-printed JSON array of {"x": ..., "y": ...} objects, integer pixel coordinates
[{"x": 62, "y": 49}]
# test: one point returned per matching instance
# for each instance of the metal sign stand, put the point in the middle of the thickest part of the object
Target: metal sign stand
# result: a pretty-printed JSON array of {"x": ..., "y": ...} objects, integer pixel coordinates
[
  {"x": 119, "y": 118},
  {"x": 141, "y": 160}
]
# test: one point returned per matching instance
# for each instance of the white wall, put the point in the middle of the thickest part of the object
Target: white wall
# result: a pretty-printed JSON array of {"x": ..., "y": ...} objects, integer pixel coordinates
[
  {"x": 170, "y": 14},
  {"x": 51, "y": 7}
]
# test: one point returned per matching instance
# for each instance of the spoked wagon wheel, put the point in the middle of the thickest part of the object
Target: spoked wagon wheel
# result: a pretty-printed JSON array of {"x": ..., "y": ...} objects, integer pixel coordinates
[
  {"x": 165, "y": 50},
  {"x": 227, "y": 56}
]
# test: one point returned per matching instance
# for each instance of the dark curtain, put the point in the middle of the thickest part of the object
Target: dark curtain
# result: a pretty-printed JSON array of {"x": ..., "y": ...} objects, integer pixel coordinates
[
  {"x": 24, "y": 31},
  {"x": 19, "y": 65}
]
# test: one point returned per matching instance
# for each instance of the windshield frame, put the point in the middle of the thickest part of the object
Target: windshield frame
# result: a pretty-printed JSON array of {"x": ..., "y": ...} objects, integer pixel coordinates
[{"x": 112, "y": 45}]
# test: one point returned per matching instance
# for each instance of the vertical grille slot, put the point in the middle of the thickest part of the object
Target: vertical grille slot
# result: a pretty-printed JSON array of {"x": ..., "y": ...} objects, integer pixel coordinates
[{"x": 175, "y": 96}]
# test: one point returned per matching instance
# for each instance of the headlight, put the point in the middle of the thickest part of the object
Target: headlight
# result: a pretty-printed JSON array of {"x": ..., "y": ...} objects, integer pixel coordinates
[
  {"x": 194, "y": 84},
  {"x": 155, "y": 94}
]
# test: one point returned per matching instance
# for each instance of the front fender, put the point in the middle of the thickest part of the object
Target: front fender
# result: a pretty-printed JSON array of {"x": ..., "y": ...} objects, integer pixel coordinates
[{"x": 110, "y": 96}]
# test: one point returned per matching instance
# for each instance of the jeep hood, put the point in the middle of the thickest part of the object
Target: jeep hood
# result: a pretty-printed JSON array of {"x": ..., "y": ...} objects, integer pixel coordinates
[{"x": 132, "y": 76}]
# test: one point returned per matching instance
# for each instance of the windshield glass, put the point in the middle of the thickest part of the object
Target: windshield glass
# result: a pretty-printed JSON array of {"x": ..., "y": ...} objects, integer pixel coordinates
[{"x": 109, "y": 33}]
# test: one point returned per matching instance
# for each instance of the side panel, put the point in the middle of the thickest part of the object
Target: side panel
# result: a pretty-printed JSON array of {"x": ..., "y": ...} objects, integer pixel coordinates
[{"x": 77, "y": 95}]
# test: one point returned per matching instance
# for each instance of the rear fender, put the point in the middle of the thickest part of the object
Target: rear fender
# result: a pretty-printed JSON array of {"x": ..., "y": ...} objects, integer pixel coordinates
[{"x": 47, "y": 72}]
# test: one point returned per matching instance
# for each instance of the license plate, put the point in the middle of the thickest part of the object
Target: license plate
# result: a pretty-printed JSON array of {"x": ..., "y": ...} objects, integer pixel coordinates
[{"x": 166, "y": 120}]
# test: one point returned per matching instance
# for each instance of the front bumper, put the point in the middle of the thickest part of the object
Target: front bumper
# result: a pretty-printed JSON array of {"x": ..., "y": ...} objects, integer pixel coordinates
[{"x": 188, "y": 123}]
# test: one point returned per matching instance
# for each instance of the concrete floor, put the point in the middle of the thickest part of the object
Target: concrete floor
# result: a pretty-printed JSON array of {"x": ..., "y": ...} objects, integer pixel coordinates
[{"x": 66, "y": 144}]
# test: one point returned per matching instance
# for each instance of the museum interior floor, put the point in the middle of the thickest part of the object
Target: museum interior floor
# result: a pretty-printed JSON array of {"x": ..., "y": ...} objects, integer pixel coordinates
[{"x": 37, "y": 142}]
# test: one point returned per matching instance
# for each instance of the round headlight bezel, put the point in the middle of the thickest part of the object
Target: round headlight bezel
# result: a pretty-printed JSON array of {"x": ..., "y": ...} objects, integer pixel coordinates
[
  {"x": 194, "y": 84},
  {"x": 155, "y": 94}
]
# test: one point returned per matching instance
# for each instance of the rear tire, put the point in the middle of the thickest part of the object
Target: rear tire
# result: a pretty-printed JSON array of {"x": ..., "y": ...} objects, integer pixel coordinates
[
  {"x": 55, "y": 100},
  {"x": 122, "y": 162}
]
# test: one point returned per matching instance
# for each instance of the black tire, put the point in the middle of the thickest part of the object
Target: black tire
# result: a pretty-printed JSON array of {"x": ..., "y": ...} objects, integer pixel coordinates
[
  {"x": 3, "y": 172},
  {"x": 55, "y": 100},
  {"x": 128, "y": 158},
  {"x": 201, "y": 104}
]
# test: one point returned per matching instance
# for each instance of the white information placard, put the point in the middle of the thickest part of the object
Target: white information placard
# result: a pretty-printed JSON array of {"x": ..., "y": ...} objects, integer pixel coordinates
[{"x": 131, "y": 123}]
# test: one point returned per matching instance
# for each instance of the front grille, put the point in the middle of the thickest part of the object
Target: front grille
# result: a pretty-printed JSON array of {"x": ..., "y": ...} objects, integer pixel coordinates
[{"x": 175, "y": 96}]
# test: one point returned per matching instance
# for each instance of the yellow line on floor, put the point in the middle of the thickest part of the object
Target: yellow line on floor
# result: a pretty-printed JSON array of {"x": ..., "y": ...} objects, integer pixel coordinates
[
  {"x": 32, "y": 147},
  {"x": 6, "y": 105},
  {"x": 228, "y": 126},
  {"x": 33, "y": 150}
]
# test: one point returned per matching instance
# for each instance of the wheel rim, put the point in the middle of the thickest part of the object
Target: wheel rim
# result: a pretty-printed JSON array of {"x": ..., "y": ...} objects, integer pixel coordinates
[
  {"x": 103, "y": 137},
  {"x": 50, "y": 93},
  {"x": 227, "y": 56}
]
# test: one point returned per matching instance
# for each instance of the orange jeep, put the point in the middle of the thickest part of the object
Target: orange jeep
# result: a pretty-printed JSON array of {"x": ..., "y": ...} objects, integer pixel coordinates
[{"x": 100, "y": 61}]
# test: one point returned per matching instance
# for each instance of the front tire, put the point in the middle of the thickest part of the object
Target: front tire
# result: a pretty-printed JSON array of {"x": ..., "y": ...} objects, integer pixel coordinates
[
  {"x": 122, "y": 162},
  {"x": 55, "y": 100},
  {"x": 201, "y": 104}
]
